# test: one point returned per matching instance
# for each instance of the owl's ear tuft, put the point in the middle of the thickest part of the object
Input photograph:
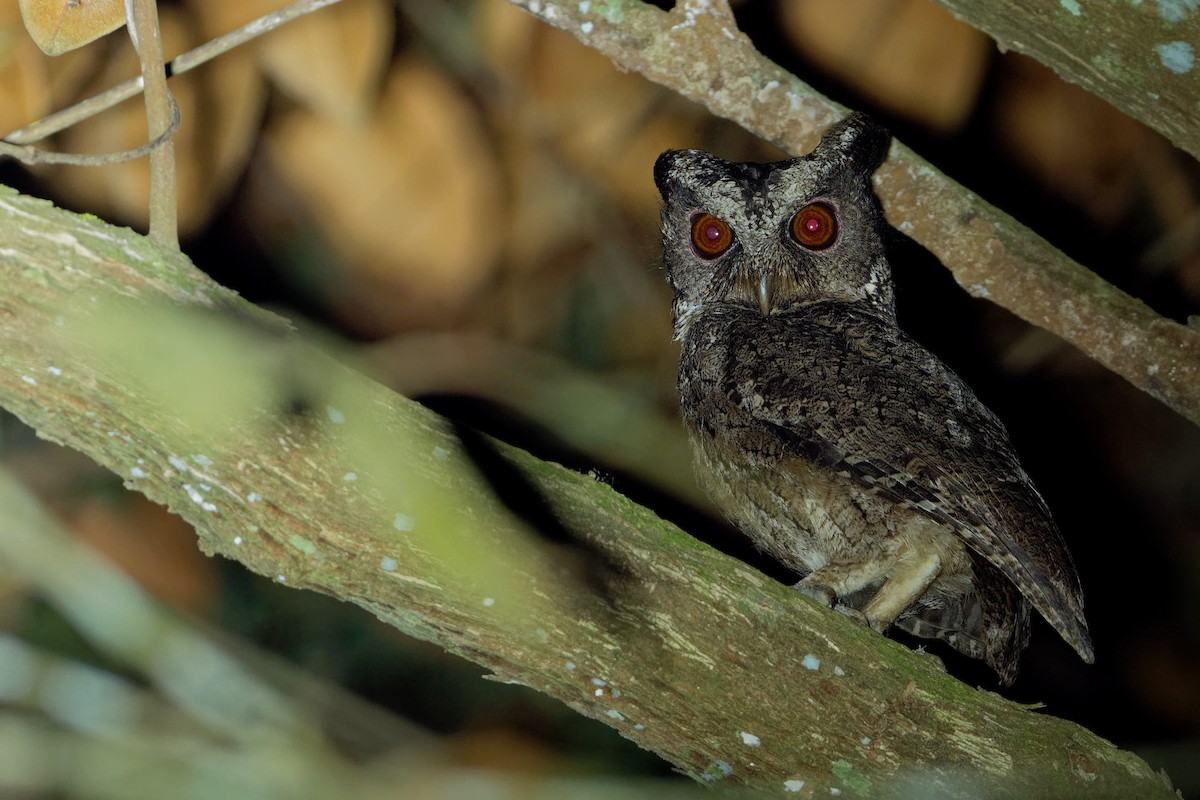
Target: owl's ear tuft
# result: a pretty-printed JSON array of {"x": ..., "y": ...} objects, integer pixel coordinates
[
  {"x": 663, "y": 168},
  {"x": 860, "y": 139}
]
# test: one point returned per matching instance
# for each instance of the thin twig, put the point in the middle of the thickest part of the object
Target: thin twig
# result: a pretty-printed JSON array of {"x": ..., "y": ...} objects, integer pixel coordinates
[
  {"x": 28, "y": 154},
  {"x": 141, "y": 18},
  {"x": 85, "y": 109}
]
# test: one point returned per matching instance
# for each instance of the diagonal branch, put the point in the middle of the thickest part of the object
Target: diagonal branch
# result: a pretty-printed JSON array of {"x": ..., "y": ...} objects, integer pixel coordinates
[
  {"x": 302, "y": 469},
  {"x": 698, "y": 52},
  {"x": 1141, "y": 57}
]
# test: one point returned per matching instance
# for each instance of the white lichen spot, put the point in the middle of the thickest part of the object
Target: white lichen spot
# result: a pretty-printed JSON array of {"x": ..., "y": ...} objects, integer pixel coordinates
[
  {"x": 237, "y": 540},
  {"x": 614, "y": 714},
  {"x": 1128, "y": 339},
  {"x": 749, "y": 739},
  {"x": 202, "y": 460},
  {"x": 586, "y": 28},
  {"x": 570, "y": 665},
  {"x": 1072, "y": 6},
  {"x": 29, "y": 379},
  {"x": 599, "y": 693},
  {"x": 280, "y": 578},
  {"x": 811, "y": 662},
  {"x": 253, "y": 497},
  {"x": 637, "y": 726},
  {"x": 839, "y": 671},
  {"x": 440, "y": 452},
  {"x": 978, "y": 290},
  {"x": 585, "y": 6},
  {"x": 727, "y": 33},
  {"x": 335, "y": 416},
  {"x": 615, "y": 693},
  {"x": 198, "y": 498},
  {"x": 489, "y": 601},
  {"x": 1152, "y": 370},
  {"x": 388, "y": 564},
  {"x": 350, "y": 477},
  {"x": 793, "y": 785},
  {"x": 834, "y": 791},
  {"x": 866, "y": 741},
  {"x": 1177, "y": 10},
  {"x": 178, "y": 463},
  {"x": 1179, "y": 57},
  {"x": 599, "y": 682},
  {"x": 535, "y": 7},
  {"x": 137, "y": 472},
  {"x": 55, "y": 371},
  {"x": 402, "y": 522}
]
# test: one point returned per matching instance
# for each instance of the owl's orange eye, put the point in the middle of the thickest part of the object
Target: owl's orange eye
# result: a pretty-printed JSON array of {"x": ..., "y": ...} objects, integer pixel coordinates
[
  {"x": 710, "y": 236},
  {"x": 815, "y": 226}
]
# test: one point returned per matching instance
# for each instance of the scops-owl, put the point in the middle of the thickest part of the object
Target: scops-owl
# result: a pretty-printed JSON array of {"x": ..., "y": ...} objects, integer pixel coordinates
[{"x": 840, "y": 446}]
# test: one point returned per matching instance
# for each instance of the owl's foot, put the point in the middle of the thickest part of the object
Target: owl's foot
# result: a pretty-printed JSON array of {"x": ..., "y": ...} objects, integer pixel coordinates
[
  {"x": 854, "y": 614},
  {"x": 821, "y": 593},
  {"x": 827, "y": 597}
]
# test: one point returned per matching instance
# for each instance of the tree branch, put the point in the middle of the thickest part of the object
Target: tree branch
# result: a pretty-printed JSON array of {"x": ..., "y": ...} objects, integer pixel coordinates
[
  {"x": 1141, "y": 57},
  {"x": 702, "y": 56},
  {"x": 120, "y": 348}
]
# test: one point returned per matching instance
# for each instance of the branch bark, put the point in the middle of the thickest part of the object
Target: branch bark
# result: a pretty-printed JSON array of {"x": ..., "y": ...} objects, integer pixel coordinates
[
  {"x": 1141, "y": 57},
  {"x": 120, "y": 348},
  {"x": 697, "y": 51}
]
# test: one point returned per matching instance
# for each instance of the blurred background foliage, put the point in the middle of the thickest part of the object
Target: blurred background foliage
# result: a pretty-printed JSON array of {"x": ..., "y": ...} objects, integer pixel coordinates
[{"x": 465, "y": 196}]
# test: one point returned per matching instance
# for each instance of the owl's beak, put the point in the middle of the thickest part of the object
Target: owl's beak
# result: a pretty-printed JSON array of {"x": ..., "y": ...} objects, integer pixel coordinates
[{"x": 766, "y": 294}]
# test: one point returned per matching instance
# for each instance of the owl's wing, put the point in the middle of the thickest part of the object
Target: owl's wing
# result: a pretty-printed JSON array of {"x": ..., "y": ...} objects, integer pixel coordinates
[{"x": 884, "y": 411}]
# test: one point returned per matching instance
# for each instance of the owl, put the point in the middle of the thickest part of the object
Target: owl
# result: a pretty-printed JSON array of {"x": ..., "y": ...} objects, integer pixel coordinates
[{"x": 843, "y": 448}]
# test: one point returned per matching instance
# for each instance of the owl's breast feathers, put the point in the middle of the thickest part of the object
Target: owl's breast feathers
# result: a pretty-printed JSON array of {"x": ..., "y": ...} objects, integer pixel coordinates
[{"x": 840, "y": 388}]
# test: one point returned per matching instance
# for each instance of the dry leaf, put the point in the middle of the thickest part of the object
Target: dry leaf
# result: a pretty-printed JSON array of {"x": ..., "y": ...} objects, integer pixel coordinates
[
  {"x": 220, "y": 107},
  {"x": 411, "y": 202},
  {"x": 910, "y": 55},
  {"x": 24, "y": 83},
  {"x": 58, "y": 26}
]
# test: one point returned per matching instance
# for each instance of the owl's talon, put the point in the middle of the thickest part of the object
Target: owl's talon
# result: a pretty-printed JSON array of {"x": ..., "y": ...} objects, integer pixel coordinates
[{"x": 853, "y": 613}]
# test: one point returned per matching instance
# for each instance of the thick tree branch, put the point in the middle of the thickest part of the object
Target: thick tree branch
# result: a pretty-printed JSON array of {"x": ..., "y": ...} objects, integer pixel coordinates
[
  {"x": 698, "y": 52},
  {"x": 300, "y": 468},
  {"x": 1141, "y": 57}
]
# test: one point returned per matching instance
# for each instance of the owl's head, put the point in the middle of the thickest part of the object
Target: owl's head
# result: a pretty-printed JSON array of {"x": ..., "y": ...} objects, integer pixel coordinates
[{"x": 774, "y": 236}]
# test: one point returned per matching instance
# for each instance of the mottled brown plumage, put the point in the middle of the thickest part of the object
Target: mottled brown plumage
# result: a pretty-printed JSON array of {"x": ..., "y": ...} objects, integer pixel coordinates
[{"x": 842, "y": 447}]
